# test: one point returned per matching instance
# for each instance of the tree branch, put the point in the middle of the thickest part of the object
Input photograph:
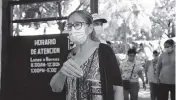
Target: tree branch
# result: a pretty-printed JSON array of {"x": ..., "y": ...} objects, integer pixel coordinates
[{"x": 159, "y": 22}]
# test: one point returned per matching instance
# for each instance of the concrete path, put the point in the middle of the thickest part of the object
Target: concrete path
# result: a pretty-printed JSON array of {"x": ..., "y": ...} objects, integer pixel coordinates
[{"x": 144, "y": 94}]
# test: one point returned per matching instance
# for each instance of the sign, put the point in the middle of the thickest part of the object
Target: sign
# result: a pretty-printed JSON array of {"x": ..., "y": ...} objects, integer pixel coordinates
[
  {"x": 33, "y": 60},
  {"x": 40, "y": 60}
]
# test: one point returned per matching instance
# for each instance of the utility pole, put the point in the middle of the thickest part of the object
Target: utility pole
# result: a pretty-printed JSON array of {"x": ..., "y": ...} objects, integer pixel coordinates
[
  {"x": 94, "y": 6},
  {"x": 5, "y": 21}
]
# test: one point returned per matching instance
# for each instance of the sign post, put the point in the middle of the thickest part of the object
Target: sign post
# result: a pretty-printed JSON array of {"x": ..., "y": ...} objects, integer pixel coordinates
[
  {"x": 94, "y": 6},
  {"x": 33, "y": 60}
]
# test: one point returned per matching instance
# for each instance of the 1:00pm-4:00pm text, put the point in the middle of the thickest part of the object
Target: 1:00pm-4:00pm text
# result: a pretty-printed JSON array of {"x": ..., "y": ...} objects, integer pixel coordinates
[{"x": 43, "y": 70}]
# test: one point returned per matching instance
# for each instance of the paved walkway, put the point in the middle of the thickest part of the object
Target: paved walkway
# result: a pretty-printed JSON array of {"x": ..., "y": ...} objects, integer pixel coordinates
[{"x": 144, "y": 94}]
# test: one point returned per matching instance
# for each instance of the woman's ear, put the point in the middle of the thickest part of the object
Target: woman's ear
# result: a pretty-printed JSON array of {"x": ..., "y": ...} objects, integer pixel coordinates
[{"x": 90, "y": 29}]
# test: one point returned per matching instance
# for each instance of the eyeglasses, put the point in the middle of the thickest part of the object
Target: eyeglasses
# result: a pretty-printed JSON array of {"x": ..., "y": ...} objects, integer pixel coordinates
[{"x": 77, "y": 25}]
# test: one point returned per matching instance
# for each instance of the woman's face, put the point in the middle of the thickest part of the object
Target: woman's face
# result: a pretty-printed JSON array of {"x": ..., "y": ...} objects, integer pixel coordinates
[
  {"x": 98, "y": 26},
  {"x": 79, "y": 29},
  {"x": 155, "y": 55},
  {"x": 131, "y": 57},
  {"x": 168, "y": 48},
  {"x": 79, "y": 24}
]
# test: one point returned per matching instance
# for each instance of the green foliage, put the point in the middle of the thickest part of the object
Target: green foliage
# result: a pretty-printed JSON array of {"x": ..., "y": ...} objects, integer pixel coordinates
[
  {"x": 139, "y": 20},
  {"x": 127, "y": 20}
]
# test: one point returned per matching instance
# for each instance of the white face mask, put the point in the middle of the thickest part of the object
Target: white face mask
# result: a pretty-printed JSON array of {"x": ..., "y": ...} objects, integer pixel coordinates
[
  {"x": 78, "y": 36},
  {"x": 98, "y": 30}
]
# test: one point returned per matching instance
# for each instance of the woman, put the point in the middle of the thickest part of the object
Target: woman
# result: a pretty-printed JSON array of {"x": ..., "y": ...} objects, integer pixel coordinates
[
  {"x": 131, "y": 70},
  {"x": 91, "y": 72},
  {"x": 152, "y": 77},
  {"x": 166, "y": 71}
]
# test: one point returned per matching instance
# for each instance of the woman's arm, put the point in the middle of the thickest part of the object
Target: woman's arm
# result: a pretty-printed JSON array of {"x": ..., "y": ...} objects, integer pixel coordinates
[
  {"x": 147, "y": 64},
  {"x": 142, "y": 78},
  {"x": 118, "y": 93},
  {"x": 57, "y": 82},
  {"x": 59, "y": 79}
]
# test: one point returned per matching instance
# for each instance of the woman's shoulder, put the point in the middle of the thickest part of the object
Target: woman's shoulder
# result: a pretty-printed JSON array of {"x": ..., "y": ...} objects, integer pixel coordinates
[{"x": 105, "y": 47}]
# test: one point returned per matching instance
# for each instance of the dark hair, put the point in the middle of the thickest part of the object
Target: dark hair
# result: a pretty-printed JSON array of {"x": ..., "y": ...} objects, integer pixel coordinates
[
  {"x": 134, "y": 47},
  {"x": 108, "y": 42},
  {"x": 170, "y": 42},
  {"x": 141, "y": 44},
  {"x": 155, "y": 52},
  {"x": 131, "y": 51},
  {"x": 88, "y": 18},
  {"x": 84, "y": 14}
]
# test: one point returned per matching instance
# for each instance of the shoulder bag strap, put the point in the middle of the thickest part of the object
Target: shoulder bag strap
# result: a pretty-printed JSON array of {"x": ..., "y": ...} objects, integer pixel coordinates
[
  {"x": 154, "y": 67},
  {"x": 132, "y": 71}
]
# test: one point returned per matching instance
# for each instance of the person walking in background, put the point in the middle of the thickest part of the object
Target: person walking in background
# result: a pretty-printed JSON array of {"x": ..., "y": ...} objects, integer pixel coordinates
[
  {"x": 98, "y": 22},
  {"x": 131, "y": 71},
  {"x": 152, "y": 77},
  {"x": 92, "y": 73},
  {"x": 166, "y": 71},
  {"x": 142, "y": 57}
]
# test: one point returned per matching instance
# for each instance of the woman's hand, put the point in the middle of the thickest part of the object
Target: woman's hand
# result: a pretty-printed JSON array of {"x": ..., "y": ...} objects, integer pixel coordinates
[
  {"x": 71, "y": 69},
  {"x": 158, "y": 80},
  {"x": 144, "y": 86},
  {"x": 57, "y": 82}
]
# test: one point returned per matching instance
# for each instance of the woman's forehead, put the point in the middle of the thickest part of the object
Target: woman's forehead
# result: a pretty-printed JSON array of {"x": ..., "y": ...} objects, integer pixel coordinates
[{"x": 75, "y": 18}]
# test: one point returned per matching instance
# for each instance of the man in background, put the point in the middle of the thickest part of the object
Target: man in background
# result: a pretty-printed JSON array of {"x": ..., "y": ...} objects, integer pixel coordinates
[
  {"x": 98, "y": 22},
  {"x": 151, "y": 73}
]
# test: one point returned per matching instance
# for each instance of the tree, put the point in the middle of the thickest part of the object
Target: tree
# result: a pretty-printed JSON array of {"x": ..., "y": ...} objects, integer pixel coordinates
[
  {"x": 140, "y": 16},
  {"x": 136, "y": 19}
]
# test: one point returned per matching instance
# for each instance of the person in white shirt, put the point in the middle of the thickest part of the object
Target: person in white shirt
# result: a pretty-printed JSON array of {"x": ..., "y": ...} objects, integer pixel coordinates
[{"x": 151, "y": 73}]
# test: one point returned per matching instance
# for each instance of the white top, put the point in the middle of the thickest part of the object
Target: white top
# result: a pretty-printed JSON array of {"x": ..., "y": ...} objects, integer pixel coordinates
[
  {"x": 151, "y": 73},
  {"x": 126, "y": 69}
]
